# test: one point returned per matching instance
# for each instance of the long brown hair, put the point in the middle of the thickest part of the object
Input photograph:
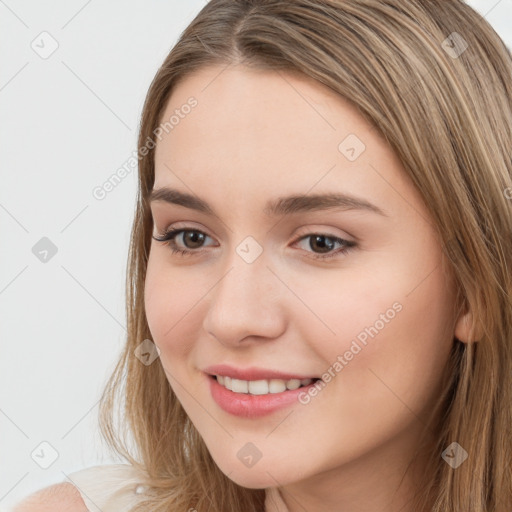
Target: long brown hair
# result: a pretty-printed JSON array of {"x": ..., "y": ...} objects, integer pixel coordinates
[{"x": 435, "y": 80}]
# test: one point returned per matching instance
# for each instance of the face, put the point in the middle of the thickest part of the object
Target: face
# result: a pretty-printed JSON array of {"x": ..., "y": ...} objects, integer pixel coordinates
[{"x": 356, "y": 296}]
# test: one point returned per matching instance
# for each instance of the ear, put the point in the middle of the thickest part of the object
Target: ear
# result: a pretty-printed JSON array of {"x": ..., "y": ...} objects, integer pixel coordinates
[{"x": 464, "y": 326}]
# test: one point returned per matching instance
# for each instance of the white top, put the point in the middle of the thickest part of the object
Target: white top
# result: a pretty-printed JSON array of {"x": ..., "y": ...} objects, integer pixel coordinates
[{"x": 116, "y": 487}]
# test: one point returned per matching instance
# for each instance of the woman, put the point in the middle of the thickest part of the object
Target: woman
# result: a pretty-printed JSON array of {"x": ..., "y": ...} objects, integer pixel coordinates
[{"x": 319, "y": 290}]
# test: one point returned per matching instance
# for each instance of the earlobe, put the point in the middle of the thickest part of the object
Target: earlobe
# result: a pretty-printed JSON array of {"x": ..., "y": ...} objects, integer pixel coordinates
[{"x": 464, "y": 327}]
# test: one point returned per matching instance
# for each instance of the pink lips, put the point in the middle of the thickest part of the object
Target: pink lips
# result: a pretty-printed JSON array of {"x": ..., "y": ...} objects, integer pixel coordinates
[
  {"x": 247, "y": 405},
  {"x": 252, "y": 373}
]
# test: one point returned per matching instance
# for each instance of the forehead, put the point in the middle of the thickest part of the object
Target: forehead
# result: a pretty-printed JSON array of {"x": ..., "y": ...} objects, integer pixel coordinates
[
  {"x": 256, "y": 114},
  {"x": 256, "y": 133}
]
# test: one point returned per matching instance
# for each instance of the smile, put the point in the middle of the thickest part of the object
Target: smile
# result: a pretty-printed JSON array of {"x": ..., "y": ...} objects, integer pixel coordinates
[
  {"x": 257, "y": 397},
  {"x": 261, "y": 387}
]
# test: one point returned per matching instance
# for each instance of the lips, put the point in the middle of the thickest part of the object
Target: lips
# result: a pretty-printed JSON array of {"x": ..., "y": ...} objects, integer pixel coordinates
[
  {"x": 253, "y": 373},
  {"x": 252, "y": 406},
  {"x": 258, "y": 391}
]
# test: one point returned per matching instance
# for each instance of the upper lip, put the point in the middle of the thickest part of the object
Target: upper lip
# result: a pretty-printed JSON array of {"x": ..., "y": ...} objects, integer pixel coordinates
[{"x": 252, "y": 373}]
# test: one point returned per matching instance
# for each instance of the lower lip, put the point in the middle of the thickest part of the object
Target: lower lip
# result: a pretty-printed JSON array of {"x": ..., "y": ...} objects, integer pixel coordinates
[{"x": 253, "y": 406}]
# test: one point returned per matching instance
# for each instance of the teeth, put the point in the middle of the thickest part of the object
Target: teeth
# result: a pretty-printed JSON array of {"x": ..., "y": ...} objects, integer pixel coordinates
[
  {"x": 239, "y": 386},
  {"x": 258, "y": 387},
  {"x": 276, "y": 386},
  {"x": 293, "y": 384},
  {"x": 261, "y": 387}
]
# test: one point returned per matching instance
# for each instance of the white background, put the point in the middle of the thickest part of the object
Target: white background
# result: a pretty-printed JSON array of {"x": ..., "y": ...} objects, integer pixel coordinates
[{"x": 68, "y": 123}]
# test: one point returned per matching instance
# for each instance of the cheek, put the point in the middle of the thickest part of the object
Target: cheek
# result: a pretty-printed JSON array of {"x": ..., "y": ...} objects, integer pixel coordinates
[
  {"x": 346, "y": 307},
  {"x": 170, "y": 301},
  {"x": 400, "y": 351},
  {"x": 394, "y": 322},
  {"x": 393, "y": 344}
]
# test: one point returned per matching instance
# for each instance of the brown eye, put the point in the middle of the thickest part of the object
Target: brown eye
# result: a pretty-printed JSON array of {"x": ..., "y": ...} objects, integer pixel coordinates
[
  {"x": 321, "y": 245},
  {"x": 192, "y": 239},
  {"x": 321, "y": 242}
]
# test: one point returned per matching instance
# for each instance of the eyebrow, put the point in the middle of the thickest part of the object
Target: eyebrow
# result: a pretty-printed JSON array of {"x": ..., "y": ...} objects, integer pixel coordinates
[{"x": 277, "y": 207}]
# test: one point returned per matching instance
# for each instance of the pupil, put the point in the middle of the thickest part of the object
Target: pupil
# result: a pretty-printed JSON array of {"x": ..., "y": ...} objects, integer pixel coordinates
[
  {"x": 193, "y": 237},
  {"x": 320, "y": 242}
]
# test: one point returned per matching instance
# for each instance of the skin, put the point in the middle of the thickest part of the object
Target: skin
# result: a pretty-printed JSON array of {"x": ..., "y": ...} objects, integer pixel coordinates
[{"x": 254, "y": 136}]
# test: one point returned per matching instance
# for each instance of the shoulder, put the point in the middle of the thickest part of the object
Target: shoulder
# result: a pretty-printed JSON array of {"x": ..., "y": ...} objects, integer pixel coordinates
[
  {"x": 55, "y": 498},
  {"x": 109, "y": 488}
]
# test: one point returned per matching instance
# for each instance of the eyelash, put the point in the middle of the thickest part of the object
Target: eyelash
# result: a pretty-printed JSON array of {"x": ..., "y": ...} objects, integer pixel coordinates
[{"x": 168, "y": 239}]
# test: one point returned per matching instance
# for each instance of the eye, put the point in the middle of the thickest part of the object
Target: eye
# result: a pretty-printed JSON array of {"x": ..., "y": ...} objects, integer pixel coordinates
[
  {"x": 325, "y": 244},
  {"x": 193, "y": 239}
]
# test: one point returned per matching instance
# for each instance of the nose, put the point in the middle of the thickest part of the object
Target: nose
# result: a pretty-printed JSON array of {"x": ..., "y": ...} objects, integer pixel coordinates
[{"x": 246, "y": 305}]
